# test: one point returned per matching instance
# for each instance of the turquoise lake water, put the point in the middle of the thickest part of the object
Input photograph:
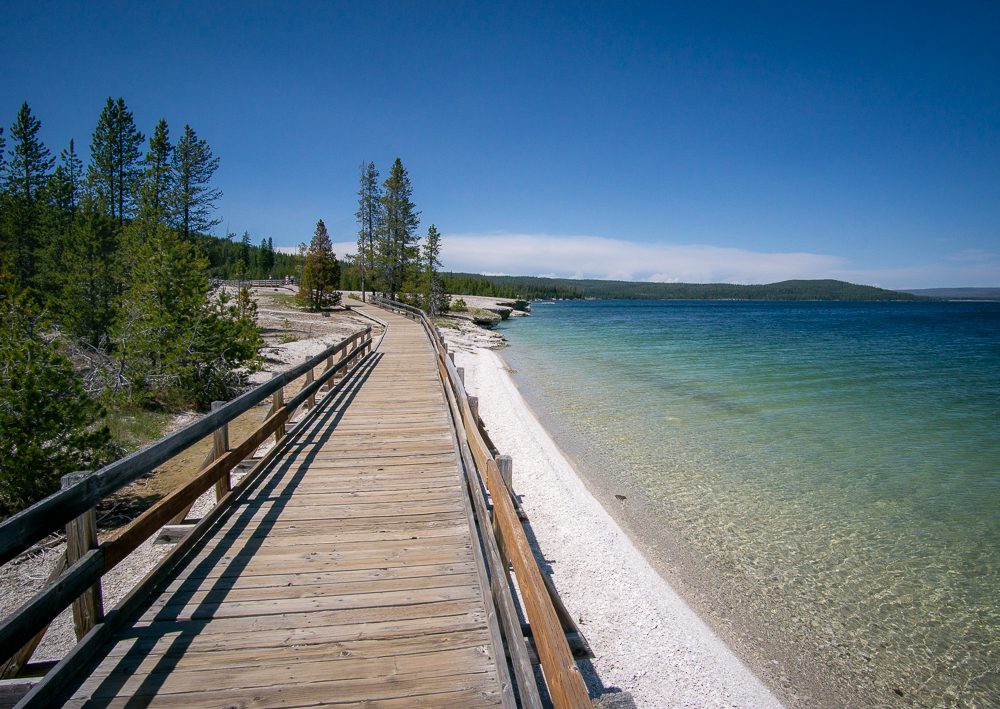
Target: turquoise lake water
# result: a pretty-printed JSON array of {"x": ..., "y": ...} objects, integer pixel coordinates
[{"x": 836, "y": 466}]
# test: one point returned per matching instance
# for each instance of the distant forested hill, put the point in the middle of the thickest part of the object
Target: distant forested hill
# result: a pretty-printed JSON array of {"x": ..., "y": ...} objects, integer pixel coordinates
[
  {"x": 535, "y": 287},
  {"x": 958, "y": 293}
]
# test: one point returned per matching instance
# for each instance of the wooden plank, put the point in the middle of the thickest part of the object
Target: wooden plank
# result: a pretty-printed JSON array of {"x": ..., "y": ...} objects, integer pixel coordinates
[
  {"x": 331, "y": 579},
  {"x": 131, "y": 655},
  {"x": 318, "y": 604},
  {"x": 467, "y": 691},
  {"x": 364, "y": 677},
  {"x": 289, "y": 589},
  {"x": 299, "y": 534},
  {"x": 318, "y": 619},
  {"x": 205, "y": 637}
]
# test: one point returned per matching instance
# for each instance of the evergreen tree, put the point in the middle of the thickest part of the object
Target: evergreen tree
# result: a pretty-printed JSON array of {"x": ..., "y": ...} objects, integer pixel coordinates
[
  {"x": 432, "y": 287},
  {"x": 115, "y": 149},
  {"x": 225, "y": 340},
  {"x": 193, "y": 197},
  {"x": 243, "y": 264},
  {"x": 158, "y": 176},
  {"x": 397, "y": 247},
  {"x": 28, "y": 171},
  {"x": 6, "y": 253},
  {"x": 30, "y": 161},
  {"x": 67, "y": 181},
  {"x": 370, "y": 222},
  {"x": 92, "y": 273},
  {"x": 266, "y": 257},
  {"x": 321, "y": 272},
  {"x": 65, "y": 193},
  {"x": 175, "y": 345},
  {"x": 50, "y": 425},
  {"x": 156, "y": 315}
]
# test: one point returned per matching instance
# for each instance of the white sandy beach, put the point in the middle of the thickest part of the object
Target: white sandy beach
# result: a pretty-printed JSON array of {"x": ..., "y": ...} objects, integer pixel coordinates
[{"x": 647, "y": 641}]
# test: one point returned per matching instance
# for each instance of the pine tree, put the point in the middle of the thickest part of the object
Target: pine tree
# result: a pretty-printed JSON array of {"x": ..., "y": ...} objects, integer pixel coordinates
[
  {"x": 92, "y": 274},
  {"x": 193, "y": 197},
  {"x": 243, "y": 265},
  {"x": 64, "y": 196},
  {"x": 435, "y": 300},
  {"x": 174, "y": 344},
  {"x": 266, "y": 258},
  {"x": 370, "y": 222},
  {"x": 115, "y": 149},
  {"x": 158, "y": 176},
  {"x": 67, "y": 181},
  {"x": 397, "y": 248},
  {"x": 30, "y": 161},
  {"x": 156, "y": 314},
  {"x": 320, "y": 272},
  {"x": 50, "y": 425},
  {"x": 28, "y": 171}
]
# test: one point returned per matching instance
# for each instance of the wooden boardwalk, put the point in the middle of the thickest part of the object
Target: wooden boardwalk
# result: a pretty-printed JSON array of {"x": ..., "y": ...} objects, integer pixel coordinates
[{"x": 347, "y": 574}]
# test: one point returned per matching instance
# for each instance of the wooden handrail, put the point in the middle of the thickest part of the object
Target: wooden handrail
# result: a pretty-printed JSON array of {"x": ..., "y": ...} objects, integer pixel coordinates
[
  {"x": 21, "y": 530},
  {"x": 24, "y": 624},
  {"x": 562, "y": 676},
  {"x": 496, "y": 565}
]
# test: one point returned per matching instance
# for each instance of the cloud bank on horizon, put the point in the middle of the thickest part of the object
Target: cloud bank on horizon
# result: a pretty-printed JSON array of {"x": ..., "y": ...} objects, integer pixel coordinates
[{"x": 619, "y": 259}]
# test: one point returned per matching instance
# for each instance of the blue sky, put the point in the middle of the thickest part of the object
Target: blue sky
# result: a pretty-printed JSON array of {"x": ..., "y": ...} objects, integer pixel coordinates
[{"x": 743, "y": 142}]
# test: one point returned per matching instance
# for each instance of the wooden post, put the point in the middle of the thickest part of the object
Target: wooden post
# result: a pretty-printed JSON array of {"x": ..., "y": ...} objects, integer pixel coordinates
[
  {"x": 461, "y": 374},
  {"x": 337, "y": 354},
  {"x": 506, "y": 465},
  {"x": 277, "y": 401},
  {"x": 474, "y": 405},
  {"x": 81, "y": 537},
  {"x": 311, "y": 399},
  {"x": 220, "y": 445},
  {"x": 452, "y": 355},
  {"x": 329, "y": 366}
]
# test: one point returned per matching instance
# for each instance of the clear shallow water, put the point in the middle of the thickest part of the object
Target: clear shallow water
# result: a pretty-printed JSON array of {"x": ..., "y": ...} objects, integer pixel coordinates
[{"x": 837, "y": 466}]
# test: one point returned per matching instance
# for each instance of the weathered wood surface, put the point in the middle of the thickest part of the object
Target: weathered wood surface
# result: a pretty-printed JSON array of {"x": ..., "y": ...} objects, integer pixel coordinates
[
  {"x": 562, "y": 676},
  {"x": 347, "y": 573}
]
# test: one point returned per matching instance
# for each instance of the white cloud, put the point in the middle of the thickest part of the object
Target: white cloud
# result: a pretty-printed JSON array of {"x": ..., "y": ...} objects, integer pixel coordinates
[
  {"x": 601, "y": 257},
  {"x": 974, "y": 256}
]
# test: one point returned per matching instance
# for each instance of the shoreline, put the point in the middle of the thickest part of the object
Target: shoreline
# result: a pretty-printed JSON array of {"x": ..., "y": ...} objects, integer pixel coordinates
[{"x": 647, "y": 640}]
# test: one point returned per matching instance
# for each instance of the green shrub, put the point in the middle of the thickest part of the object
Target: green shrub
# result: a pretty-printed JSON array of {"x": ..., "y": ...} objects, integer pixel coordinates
[{"x": 50, "y": 425}]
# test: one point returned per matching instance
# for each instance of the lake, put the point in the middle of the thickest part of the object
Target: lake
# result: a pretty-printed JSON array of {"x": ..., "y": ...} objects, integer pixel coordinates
[{"x": 822, "y": 480}]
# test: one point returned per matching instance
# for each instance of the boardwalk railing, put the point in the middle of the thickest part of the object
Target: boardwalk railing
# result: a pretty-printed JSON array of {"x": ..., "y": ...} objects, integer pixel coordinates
[
  {"x": 505, "y": 540},
  {"x": 77, "y": 580},
  {"x": 259, "y": 283}
]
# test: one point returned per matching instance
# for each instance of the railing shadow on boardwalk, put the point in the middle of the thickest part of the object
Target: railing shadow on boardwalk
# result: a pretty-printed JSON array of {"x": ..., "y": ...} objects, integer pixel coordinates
[{"x": 284, "y": 473}]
